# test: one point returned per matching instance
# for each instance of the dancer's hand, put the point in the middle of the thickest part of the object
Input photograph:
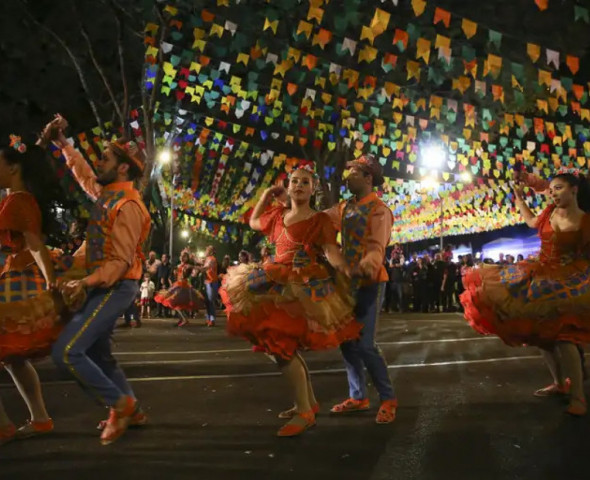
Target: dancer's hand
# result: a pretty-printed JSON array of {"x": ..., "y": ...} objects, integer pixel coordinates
[
  {"x": 279, "y": 192},
  {"x": 73, "y": 287},
  {"x": 519, "y": 191}
]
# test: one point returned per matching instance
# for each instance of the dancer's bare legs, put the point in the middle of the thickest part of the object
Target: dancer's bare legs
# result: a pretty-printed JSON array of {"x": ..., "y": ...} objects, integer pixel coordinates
[
  {"x": 551, "y": 358},
  {"x": 294, "y": 370},
  {"x": 310, "y": 393},
  {"x": 572, "y": 368},
  {"x": 27, "y": 381}
]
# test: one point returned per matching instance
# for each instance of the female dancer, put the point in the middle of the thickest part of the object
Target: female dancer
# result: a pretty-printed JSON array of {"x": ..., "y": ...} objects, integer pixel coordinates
[
  {"x": 29, "y": 313},
  {"x": 181, "y": 296},
  {"x": 560, "y": 385},
  {"x": 544, "y": 302},
  {"x": 293, "y": 302}
]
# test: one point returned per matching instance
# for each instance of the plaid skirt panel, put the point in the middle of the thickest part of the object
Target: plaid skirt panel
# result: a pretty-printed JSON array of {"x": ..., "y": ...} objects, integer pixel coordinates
[{"x": 20, "y": 285}]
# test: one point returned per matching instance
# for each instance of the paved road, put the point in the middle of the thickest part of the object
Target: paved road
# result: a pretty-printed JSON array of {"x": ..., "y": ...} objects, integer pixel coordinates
[{"x": 466, "y": 412}]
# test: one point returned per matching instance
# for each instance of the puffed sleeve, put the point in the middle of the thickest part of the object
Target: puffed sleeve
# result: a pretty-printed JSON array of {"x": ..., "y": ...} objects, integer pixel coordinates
[
  {"x": 269, "y": 218},
  {"x": 20, "y": 213},
  {"x": 326, "y": 231}
]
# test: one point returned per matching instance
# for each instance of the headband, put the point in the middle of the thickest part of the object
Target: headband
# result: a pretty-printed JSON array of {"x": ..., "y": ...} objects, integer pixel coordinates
[
  {"x": 307, "y": 167},
  {"x": 568, "y": 171}
]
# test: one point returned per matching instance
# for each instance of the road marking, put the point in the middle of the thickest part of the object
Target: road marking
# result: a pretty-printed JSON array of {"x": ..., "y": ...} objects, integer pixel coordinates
[
  {"x": 239, "y": 350},
  {"x": 314, "y": 372}
]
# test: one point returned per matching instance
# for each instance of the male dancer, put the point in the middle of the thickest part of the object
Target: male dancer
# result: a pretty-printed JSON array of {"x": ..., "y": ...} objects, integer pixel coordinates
[
  {"x": 211, "y": 284},
  {"x": 365, "y": 223},
  {"x": 119, "y": 223}
]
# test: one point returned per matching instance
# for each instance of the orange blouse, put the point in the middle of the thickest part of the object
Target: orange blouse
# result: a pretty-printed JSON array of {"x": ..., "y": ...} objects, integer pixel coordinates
[
  {"x": 308, "y": 235},
  {"x": 19, "y": 213},
  {"x": 563, "y": 247}
]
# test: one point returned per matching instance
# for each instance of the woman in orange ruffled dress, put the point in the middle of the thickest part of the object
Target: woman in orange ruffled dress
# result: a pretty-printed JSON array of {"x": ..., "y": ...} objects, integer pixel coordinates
[
  {"x": 543, "y": 302},
  {"x": 181, "y": 296},
  {"x": 29, "y": 312},
  {"x": 292, "y": 303}
]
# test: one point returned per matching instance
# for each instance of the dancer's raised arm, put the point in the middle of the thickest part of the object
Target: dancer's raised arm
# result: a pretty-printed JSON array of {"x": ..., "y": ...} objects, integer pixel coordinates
[
  {"x": 267, "y": 196},
  {"x": 83, "y": 172},
  {"x": 528, "y": 216}
]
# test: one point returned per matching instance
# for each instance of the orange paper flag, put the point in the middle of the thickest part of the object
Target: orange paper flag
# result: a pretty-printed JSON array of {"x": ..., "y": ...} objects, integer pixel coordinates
[
  {"x": 573, "y": 63},
  {"x": 441, "y": 15},
  {"x": 542, "y": 4}
]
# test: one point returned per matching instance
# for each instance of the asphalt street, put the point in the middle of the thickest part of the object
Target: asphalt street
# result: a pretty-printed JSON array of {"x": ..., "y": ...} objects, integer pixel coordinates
[{"x": 466, "y": 412}]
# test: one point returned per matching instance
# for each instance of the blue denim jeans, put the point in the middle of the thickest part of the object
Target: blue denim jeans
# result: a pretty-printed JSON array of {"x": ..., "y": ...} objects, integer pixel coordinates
[
  {"x": 211, "y": 300},
  {"x": 364, "y": 352},
  {"x": 84, "y": 347}
]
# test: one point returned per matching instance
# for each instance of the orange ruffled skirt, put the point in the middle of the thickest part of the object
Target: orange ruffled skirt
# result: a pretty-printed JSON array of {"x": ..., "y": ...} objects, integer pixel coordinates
[
  {"x": 181, "y": 296},
  {"x": 28, "y": 328},
  {"x": 281, "y": 310},
  {"x": 530, "y": 303}
]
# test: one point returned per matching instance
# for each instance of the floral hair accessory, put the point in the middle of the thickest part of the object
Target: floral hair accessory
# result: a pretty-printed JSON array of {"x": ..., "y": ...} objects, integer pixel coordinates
[
  {"x": 307, "y": 167},
  {"x": 17, "y": 144},
  {"x": 568, "y": 171}
]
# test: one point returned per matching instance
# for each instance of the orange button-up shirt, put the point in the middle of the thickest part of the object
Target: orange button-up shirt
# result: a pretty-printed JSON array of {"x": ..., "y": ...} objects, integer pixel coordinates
[
  {"x": 377, "y": 235},
  {"x": 126, "y": 229}
]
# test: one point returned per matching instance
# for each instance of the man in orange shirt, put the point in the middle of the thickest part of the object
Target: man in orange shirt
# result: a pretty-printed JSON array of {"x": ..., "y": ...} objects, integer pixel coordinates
[
  {"x": 365, "y": 224},
  {"x": 111, "y": 255},
  {"x": 211, "y": 284}
]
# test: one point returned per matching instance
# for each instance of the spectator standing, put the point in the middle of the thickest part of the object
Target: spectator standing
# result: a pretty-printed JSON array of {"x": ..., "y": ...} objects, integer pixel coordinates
[
  {"x": 164, "y": 282},
  {"x": 151, "y": 264},
  {"x": 146, "y": 289}
]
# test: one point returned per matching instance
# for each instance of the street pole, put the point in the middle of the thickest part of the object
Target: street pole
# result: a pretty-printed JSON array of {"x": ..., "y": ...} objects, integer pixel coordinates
[
  {"x": 441, "y": 224},
  {"x": 171, "y": 217}
]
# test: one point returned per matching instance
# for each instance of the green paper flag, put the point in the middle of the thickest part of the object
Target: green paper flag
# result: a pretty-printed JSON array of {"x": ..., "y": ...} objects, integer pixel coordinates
[
  {"x": 581, "y": 13},
  {"x": 495, "y": 38}
]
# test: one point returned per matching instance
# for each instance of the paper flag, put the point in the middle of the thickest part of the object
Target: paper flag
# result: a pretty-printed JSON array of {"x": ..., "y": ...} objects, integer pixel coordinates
[{"x": 469, "y": 28}]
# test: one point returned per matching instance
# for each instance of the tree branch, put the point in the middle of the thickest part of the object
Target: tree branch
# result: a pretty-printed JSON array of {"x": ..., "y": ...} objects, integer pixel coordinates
[
  {"x": 120, "y": 22},
  {"x": 73, "y": 58},
  {"x": 97, "y": 66}
]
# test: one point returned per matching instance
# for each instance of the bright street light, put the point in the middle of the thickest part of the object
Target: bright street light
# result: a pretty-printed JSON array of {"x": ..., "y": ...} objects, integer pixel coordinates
[
  {"x": 200, "y": 253},
  {"x": 164, "y": 156},
  {"x": 184, "y": 233},
  {"x": 429, "y": 183},
  {"x": 433, "y": 156},
  {"x": 465, "y": 177}
]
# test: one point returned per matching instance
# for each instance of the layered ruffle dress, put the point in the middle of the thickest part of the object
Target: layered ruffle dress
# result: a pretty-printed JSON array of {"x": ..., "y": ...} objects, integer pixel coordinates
[
  {"x": 30, "y": 319},
  {"x": 181, "y": 295},
  {"x": 535, "y": 302},
  {"x": 294, "y": 302}
]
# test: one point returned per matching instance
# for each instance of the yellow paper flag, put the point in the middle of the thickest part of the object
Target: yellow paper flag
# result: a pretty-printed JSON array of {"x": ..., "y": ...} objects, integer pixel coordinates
[
  {"x": 413, "y": 70},
  {"x": 423, "y": 49},
  {"x": 272, "y": 25},
  {"x": 418, "y": 6},
  {"x": 469, "y": 28},
  {"x": 533, "y": 51},
  {"x": 380, "y": 21}
]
